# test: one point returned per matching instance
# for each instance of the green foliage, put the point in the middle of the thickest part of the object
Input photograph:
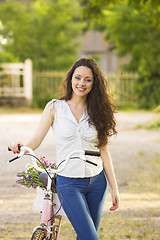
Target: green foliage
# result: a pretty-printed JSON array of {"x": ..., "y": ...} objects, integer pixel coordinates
[
  {"x": 44, "y": 31},
  {"x": 45, "y": 87},
  {"x": 154, "y": 125},
  {"x": 93, "y": 9},
  {"x": 133, "y": 29},
  {"x": 41, "y": 101},
  {"x": 135, "y": 32},
  {"x": 157, "y": 109},
  {"x": 148, "y": 88}
]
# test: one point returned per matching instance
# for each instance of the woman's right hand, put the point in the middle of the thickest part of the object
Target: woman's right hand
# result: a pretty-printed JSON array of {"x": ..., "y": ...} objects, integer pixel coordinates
[{"x": 14, "y": 147}]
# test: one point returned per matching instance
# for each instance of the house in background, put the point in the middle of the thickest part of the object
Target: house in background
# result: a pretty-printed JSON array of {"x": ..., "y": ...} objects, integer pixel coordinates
[{"x": 93, "y": 45}]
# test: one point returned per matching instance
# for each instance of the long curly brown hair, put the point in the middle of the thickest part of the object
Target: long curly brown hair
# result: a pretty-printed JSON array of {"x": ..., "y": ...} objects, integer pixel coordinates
[{"x": 100, "y": 104}]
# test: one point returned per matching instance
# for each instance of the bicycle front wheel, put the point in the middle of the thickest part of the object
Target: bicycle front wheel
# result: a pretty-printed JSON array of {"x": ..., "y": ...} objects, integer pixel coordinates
[{"x": 39, "y": 234}]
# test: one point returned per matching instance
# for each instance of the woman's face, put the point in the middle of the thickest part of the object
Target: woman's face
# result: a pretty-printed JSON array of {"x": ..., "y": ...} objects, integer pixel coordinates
[{"x": 82, "y": 81}]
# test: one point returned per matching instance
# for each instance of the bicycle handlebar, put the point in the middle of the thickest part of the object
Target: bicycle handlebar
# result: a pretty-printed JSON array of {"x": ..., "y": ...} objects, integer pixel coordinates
[
  {"x": 81, "y": 153},
  {"x": 92, "y": 153}
]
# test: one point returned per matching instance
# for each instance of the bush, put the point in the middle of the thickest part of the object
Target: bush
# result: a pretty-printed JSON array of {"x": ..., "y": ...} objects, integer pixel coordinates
[{"x": 148, "y": 89}]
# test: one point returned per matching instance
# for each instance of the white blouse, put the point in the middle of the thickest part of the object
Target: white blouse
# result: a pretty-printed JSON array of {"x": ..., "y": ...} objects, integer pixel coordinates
[{"x": 71, "y": 135}]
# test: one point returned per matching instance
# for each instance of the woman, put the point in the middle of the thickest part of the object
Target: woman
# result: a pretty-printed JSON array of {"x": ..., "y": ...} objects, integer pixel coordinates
[{"x": 82, "y": 119}]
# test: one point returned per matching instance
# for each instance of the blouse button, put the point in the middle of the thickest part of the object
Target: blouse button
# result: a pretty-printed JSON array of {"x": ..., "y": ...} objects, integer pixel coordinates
[{"x": 78, "y": 128}]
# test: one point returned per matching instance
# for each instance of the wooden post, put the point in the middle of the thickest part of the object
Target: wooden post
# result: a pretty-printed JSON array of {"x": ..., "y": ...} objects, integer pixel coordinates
[{"x": 28, "y": 80}]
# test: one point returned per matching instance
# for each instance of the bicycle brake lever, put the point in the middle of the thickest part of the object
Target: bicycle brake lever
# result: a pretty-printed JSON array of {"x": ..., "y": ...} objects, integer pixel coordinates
[{"x": 19, "y": 155}]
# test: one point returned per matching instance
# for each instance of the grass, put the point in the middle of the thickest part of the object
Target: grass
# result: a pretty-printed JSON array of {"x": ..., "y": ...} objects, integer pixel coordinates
[
  {"x": 19, "y": 110},
  {"x": 152, "y": 125},
  {"x": 139, "y": 214},
  {"x": 123, "y": 228},
  {"x": 146, "y": 175},
  {"x": 131, "y": 109}
]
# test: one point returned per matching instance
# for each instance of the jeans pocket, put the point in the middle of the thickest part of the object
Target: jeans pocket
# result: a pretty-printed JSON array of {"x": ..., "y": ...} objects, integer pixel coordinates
[
  {"x": 101, "y": 175},
  {"x": 101, "y": 179}
]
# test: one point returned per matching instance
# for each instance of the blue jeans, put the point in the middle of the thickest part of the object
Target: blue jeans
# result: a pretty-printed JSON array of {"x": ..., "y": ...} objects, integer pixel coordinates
[{"x": 83, "y": 200}]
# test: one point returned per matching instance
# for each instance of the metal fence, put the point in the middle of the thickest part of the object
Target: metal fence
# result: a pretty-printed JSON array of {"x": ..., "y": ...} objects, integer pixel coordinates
[
  {"x": 46, "y": 82},
  {"x": 122, "y": 86},
  {"x": 17, "y": 81}
]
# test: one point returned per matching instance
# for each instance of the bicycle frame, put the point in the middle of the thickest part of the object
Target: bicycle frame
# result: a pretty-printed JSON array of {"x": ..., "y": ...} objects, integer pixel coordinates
[
  {"x": 48, "y": 220},
  {"x": 48, "y": 226}
]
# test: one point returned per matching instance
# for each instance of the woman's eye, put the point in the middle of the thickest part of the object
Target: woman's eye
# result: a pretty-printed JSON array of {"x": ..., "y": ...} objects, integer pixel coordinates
[
  {"x": 88, "y": 80},
  {"x": 78, "y": 78}
]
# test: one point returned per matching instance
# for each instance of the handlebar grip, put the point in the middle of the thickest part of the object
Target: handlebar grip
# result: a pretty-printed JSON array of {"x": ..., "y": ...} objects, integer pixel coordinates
[
  {"x": 13, "y": 159},
  {"x": 19, "y": 148},
  {"x": 92, "y": 153}
]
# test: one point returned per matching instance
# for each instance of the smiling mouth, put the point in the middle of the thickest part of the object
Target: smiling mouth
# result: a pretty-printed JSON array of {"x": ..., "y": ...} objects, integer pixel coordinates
[{"x": 81, "y": 89}]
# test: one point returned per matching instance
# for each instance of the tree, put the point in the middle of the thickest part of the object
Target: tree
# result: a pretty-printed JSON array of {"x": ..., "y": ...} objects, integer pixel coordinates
[
  {"x": 136, "y": 32},
  {"x": 44, "y": 31},
  {"x": 133, "y": 28}
]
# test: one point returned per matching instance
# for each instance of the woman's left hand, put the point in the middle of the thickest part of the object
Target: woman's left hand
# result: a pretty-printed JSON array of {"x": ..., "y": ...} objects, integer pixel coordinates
[{"x": 115, "y": 200}]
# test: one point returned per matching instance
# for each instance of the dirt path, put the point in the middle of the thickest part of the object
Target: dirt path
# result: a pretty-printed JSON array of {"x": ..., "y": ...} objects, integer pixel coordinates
[{"x": 16, "y": 202}]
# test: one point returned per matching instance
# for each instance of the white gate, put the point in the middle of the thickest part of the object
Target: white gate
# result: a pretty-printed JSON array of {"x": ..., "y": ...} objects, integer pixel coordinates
[{"x": 16, "y": 80}]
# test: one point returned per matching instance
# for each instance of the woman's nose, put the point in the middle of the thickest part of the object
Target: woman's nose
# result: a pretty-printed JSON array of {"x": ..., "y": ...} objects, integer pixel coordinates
[{"x": 82, "y": 82}]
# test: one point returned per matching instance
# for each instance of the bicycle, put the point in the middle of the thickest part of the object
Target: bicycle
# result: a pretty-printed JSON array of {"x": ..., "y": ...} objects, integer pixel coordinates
[{"x": 50, "y": 222}]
